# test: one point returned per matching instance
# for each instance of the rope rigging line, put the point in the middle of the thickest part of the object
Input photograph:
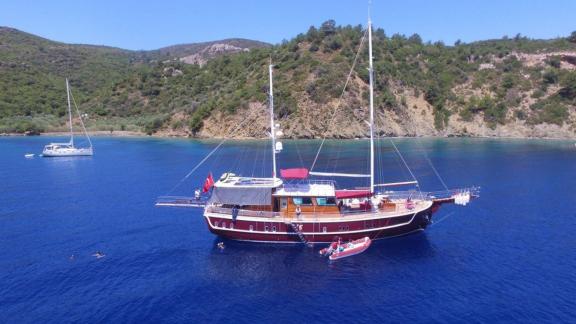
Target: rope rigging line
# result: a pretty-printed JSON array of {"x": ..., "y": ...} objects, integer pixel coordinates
[
  {"x": 434, "y": 223},
  {"x": 333, "y": 118},
  {"x": 432, "y": 166},
  {"x": 79, "y": 116},
  {"x": 404, "y": 161},
  {"x": 299, "y": 154},
  {"x": 226, "y": 138}
]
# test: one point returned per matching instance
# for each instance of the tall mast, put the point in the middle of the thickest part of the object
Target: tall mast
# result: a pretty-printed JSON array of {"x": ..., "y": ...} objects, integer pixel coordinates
[
  {"x": 272, "y": 128},
  {"x": 371, "y": 72},
  {"x": 69, "y": 113}
]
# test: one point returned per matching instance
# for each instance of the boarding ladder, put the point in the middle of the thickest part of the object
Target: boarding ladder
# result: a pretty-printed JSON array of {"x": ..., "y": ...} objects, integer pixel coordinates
[{"x": 298, "y": 232}]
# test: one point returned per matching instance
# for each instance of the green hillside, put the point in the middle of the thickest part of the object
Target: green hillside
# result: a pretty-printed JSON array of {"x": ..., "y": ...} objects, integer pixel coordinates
[{"x": 511, "y": 81}]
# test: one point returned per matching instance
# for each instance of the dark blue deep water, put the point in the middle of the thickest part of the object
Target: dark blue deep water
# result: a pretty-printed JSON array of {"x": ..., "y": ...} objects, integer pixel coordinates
[{"x": 510, "y": 256}]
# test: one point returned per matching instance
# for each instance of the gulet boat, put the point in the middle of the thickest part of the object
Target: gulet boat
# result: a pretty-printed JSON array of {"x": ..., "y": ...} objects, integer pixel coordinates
[{"x": 307, "y": 206}]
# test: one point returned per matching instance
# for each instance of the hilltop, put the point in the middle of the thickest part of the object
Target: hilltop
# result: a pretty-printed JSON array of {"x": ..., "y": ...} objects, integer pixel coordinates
[
  {"x": 507, "y": 87},
  {"x": 201, "y": 53}
]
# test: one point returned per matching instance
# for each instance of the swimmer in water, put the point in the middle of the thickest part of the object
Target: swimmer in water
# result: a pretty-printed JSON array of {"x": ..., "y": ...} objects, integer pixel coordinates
[
  {"x": 221, "y": 245},
  {"x": 98, "y": 255}
]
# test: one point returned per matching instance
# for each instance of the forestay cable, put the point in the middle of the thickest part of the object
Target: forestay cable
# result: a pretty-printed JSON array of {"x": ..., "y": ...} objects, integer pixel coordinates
[
  {"x": 80, "y": 116},
  {"x": 432, "y": 166},
  {"x": 340, "y": 99},
  {"x": 403, "y": 161},
  {"x": 211, "y": 152}
]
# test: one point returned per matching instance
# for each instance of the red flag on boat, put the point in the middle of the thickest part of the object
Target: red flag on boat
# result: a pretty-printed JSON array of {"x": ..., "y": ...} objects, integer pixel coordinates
[{"x": 208, "y": 183}]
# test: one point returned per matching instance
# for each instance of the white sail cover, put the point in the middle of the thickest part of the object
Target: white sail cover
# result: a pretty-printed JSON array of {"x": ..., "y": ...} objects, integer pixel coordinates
[{"x": 254, "y": 196}]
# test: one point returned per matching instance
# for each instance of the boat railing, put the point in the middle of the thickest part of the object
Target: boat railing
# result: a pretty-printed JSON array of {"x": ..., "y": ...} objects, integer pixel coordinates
[
  {"x": 242, "y": 212},
  {"x": 343, "y": 214},
  {"x": 180, "y": 201},
  {"x": 403, "y": 195},
  {"x": 474, "y": 192},
  {"x": 296, "y": 183},
  {"x": 431, "y": 195}
]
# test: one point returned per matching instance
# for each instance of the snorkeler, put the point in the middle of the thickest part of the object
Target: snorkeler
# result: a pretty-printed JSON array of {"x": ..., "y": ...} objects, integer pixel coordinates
[{"x": 98, "y": 255}]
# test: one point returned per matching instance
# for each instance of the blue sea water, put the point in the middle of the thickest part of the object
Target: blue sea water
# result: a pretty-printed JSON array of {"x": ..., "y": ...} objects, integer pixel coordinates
[{"x": 509, "y": 256}]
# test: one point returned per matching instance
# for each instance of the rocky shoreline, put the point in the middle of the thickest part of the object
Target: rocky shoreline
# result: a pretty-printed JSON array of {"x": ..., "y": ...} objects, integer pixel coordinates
[{"x": 172, "y": 135}]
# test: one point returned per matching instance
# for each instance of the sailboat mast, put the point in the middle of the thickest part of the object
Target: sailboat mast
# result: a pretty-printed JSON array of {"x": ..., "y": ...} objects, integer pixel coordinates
[
  {"x": 69, "y": 113},
  {"x": 272, "y": 128},
  {"x": 371, "y": 72}
]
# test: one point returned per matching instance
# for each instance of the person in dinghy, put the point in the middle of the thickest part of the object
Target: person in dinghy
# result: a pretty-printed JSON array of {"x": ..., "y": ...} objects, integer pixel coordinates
[{"x": 337, "y": 250}]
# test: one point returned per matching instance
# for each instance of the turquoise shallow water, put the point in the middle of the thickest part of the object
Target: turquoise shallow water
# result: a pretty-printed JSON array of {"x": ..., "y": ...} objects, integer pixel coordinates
[{"x": 509, "y": 256}]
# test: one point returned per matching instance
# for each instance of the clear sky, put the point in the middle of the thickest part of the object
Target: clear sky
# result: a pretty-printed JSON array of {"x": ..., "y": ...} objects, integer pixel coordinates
[{"x": 148, "y": 25}]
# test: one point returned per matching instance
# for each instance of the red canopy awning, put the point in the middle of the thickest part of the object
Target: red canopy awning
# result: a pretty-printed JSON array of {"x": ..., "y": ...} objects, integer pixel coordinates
[
  {"x": 294, "y": 173},
  {"x": 343, "y": 194}
]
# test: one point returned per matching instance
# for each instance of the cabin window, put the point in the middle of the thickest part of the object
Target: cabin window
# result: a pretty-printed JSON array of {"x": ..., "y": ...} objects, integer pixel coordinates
[
  {"x": 324, "y": 229},
  {"x": 283, "y": 203},
  {"x": 273, "y": 228},
  {"x": 266, "y": 228},
  {"x": 251, "y": 228},
  {"x": 231, "y": 225},
  {"x": 326, "y": 201},
  {"x": 223, "y": 224},
  {"x": 306, "y": 201},
  {"x": 216, "y": 223}
]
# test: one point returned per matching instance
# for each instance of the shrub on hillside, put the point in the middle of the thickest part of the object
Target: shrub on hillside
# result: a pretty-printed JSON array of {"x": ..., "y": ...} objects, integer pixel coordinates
[
  {"x": 568, "y": 83},
  {"x": 549, "y": 113}
]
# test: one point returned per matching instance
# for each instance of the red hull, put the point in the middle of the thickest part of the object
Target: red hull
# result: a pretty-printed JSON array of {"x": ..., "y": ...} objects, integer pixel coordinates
[{"x": 318, "y": 232}]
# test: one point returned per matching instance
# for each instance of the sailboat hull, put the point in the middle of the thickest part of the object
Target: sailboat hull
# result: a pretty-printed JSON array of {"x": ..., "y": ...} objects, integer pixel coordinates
[
  {"x": 281, "y": 231},
  {"x": 62, "y": 152}
]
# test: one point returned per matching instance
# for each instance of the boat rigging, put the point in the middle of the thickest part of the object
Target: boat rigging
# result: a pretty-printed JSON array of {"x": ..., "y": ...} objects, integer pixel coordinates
[
  {"x": 69, "y": 149},
  {"x": 300, "y": 207}
]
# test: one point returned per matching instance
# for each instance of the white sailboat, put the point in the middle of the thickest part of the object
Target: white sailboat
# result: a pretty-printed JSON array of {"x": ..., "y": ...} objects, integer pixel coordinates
[{"x": 68, "y": 149}]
